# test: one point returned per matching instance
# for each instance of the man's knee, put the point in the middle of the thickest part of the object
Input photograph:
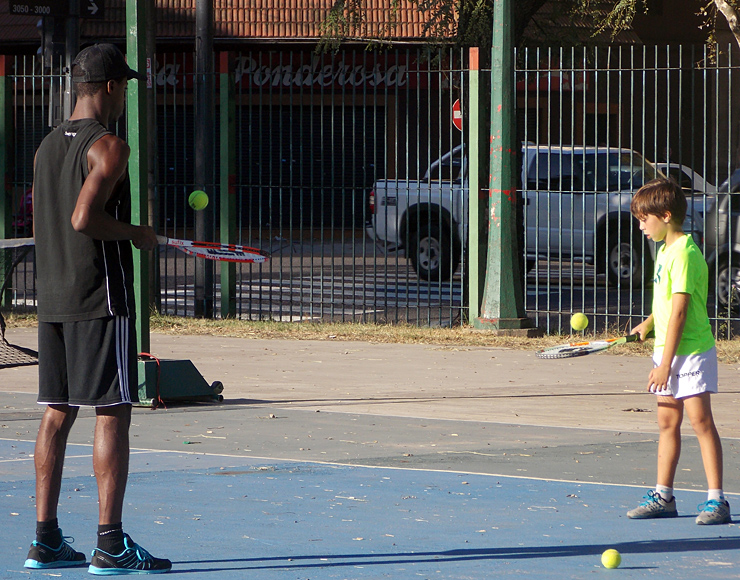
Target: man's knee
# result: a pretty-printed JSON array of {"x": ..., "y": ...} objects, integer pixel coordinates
[
  {"x": 59, "y": 417},
  {"x": 116, "y": 417}
]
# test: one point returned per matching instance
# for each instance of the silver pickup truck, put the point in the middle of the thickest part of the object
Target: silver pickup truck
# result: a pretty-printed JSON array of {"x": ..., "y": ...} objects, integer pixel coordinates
[{"x": 576, "y": 208}]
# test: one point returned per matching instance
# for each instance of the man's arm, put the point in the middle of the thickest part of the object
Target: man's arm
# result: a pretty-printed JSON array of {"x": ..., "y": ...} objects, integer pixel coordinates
[{"x": 107, "y": 160}]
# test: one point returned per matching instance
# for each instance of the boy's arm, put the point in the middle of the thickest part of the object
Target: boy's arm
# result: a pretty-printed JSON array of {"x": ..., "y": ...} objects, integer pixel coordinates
[
  {"x": 644, "y": 328},
  {"x": 658, "y": 379}
]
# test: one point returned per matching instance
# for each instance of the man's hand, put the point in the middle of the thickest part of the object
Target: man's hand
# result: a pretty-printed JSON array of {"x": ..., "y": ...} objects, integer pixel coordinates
[{"x": 144, "y": 238}]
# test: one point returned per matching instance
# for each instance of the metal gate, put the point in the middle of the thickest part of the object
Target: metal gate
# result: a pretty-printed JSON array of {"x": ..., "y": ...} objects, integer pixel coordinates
[
  {"x": 351, "y": 170},
  {"x": 595, "y": 125},
  {"x": 314, "y": 135}
]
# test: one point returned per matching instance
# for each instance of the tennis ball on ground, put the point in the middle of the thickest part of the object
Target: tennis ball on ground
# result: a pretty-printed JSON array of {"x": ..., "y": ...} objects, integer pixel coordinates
[
  {"x": 611, "y": 558},
  {"x": 198, "y": 200},
  {"x": 579, "y": 321}
]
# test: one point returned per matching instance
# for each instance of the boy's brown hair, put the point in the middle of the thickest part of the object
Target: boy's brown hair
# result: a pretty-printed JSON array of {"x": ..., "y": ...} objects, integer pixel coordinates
[{"x": 659, "y": 197}]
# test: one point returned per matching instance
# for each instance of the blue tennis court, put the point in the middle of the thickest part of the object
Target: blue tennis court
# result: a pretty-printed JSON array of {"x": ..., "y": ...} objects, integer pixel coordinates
[{"x": 226, "y": 516}]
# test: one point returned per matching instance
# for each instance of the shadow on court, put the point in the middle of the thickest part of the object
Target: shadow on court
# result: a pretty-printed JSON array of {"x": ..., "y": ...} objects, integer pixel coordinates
[{"x": 447, "y": 556}]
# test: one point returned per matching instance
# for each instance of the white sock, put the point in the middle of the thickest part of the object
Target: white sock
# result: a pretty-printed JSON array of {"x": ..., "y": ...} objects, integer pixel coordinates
[
  {"x": 717, "y": 494},
  {"x": 665, "y": 492}
]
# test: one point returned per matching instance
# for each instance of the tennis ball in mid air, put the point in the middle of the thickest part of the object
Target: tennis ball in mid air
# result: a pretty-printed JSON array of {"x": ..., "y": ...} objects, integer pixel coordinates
[
  {"x": 579, "y": 321},
  {"x": 198, "y": 199}
]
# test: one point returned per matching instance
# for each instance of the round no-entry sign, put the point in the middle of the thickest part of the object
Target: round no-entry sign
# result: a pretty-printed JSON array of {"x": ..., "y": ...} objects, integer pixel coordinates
[{"x": 457, "y": 114}]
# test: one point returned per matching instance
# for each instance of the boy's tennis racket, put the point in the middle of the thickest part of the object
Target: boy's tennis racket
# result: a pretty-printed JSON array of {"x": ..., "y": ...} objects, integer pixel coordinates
[
  {"x": 583, "y": 348},
  {"x": 216, "y": 251}
]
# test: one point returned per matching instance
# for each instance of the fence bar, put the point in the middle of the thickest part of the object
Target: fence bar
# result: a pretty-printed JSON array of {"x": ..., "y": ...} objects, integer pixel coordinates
[
  {"x": 6, "y": 141},
  {"x": 227, "y": 190}
]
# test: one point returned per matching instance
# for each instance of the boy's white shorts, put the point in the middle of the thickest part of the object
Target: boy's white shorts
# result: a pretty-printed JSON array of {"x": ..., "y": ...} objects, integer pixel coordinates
[{"x": 691, "y": 374}]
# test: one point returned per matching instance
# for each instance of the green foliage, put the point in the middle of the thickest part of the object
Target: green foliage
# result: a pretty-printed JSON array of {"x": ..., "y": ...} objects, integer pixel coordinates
[
  {"x": 464, "y": 23},
  {"x": 619, "y": 18}
]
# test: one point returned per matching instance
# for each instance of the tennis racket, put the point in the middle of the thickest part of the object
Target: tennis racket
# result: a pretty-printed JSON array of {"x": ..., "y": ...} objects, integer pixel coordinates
[
  {"x": 15, "y": 243},
  {"x": 572, "y": 349},
  {"x": 216, "y": 251}
]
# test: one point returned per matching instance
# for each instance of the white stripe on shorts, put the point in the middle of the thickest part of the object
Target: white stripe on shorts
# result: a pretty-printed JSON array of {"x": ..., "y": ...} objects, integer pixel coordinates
[{"x": 122, "y": 357}]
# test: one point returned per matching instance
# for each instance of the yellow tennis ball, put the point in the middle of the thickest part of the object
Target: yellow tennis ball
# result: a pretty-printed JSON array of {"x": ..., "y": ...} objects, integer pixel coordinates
[
  {"x": 611, "y": 558},
  {"x": 198, "y": 200},
  {"x": 579, "y": 321}
]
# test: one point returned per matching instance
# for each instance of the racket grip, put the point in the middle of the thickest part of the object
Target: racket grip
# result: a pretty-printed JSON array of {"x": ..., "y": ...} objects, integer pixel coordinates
[{"x": 633, "y": 337}]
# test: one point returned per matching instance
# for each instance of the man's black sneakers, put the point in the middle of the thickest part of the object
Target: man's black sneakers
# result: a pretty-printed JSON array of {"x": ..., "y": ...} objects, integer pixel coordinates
[
  {"x": 133, "y": 560},
  {"x": 42, "y": 556}
]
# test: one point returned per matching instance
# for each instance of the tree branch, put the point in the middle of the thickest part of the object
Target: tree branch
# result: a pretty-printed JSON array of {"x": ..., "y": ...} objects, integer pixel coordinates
[{"x": 732, "y": 17}]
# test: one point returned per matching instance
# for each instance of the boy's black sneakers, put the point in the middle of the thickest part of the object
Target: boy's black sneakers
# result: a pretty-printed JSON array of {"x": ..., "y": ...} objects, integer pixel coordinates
[
  {"x": 133, "y": 560},
  {"x": 42, "y": 556}
]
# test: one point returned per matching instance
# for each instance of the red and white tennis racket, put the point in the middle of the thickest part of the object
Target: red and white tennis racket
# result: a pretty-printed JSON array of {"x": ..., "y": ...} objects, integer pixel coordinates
[{"x": 216, "y": 251}]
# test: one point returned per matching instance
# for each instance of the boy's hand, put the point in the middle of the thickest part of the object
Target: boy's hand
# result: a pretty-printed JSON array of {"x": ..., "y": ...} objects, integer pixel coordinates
[
  {"x": 658, "y": 379},
  {"x": 643, "y": 329}
]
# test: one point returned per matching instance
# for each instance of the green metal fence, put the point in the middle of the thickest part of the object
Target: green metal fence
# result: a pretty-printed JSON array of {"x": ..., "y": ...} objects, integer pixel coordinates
[
  {"x": 351, "y": 169},
  {"x": 596, "y": 124}
]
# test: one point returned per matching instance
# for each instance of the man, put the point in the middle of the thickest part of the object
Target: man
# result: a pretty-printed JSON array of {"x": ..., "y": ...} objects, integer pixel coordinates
[{"x": 87, "y": 346}]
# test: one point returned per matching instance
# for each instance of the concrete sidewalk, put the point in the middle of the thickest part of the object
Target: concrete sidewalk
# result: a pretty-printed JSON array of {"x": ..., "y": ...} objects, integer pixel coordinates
[{"x": 436, "y": 382}]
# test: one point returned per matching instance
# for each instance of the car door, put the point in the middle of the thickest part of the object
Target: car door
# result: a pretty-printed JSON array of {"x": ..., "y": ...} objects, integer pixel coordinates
[
  {"x": 558, "y": 204},
  {"x": 544, "y": 211}
]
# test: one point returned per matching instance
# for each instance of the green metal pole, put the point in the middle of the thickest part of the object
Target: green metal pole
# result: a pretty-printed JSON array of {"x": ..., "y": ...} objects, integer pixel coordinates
[
  {"x": 476, "y": 217},
  {"x": 228, "y": 180},
  {"x": 6, "y": 140},
  {"x": 6, "y": 164},
  {"x": 136, "y": 117},
  {"x": 502, "y": 307}
]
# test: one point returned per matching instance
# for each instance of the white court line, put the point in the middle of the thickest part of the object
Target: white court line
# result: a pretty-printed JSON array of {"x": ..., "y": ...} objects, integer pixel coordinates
[{"x": 143, "y": 451}]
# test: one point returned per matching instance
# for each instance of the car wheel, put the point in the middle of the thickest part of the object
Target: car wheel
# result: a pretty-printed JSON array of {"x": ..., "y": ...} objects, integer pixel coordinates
[
  {"x": 625, "y": 263},
  {"x": 728, "y": 285},
  {"x": 431, "y": 253}
]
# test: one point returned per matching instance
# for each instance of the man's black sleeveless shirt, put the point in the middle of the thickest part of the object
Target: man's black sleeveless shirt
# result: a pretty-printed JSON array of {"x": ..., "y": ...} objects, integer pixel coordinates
[{"x": 78, "y": 278}]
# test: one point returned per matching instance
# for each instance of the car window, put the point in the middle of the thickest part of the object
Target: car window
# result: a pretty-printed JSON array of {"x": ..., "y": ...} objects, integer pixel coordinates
[
  {"x": 555, "y": 171},
  {"x": 616, "y": 171},
  {"x": 447, "y": 169},
  {"x": 678, "y": 175},
  {"x": 734, "y": 203}
]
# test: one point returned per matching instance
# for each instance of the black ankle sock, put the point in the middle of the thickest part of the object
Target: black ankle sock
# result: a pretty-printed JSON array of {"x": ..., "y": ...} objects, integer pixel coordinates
[
  {"x": 49, "y": 534},
  {"x": 110, "y": 538}
]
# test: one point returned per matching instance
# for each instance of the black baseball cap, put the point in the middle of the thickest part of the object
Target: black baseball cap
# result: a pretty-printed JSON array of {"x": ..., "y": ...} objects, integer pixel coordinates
[{"x": 100, "y": 63}]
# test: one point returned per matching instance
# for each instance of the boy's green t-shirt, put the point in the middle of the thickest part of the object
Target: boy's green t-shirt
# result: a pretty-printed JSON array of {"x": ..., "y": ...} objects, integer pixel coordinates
[{"x": 682, "y": 268}]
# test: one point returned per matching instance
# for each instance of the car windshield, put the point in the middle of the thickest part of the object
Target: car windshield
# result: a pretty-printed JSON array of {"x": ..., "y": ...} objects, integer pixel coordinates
[{"x": 589, "y": 171}]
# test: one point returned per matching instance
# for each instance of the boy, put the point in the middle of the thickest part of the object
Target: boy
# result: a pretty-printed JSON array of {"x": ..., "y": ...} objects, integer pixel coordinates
[{"x": 684, "y": 357}]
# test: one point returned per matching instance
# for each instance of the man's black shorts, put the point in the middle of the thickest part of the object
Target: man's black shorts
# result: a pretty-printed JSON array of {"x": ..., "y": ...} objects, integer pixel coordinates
[{"x": 88, "y": 362}]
